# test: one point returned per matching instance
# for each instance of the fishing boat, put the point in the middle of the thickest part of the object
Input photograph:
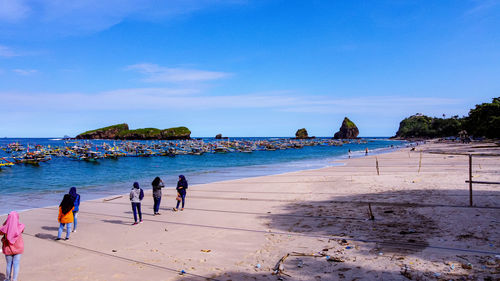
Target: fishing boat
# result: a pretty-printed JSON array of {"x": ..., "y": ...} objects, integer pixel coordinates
[
  {"x": 5, "y": 163},
  {"x": 90, "y": 156},
  {"x": 32, "y": 158}
]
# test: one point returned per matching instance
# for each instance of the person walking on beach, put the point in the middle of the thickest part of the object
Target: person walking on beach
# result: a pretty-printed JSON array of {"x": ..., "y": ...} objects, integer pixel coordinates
[
  {"x": 12, "y": 244},
  {"x": 136, "y": 195},
  {"x": 65, "y": 217},
  {"x": 182, "y": 185},
  {"x": 76, "y": 203},
  {"x": 157, "y": 186}
]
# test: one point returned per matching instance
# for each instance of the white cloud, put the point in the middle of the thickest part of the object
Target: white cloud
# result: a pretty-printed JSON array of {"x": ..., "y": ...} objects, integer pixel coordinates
[
  {"x": 151, "y": 92},
  {"x": 182, "y": 99},
  {"x": 7, "y": 52},
  {"x": 13, "y": 10},
  {"x": 156, "y": 73},
  {"x": 483, "y": 6},
  {"x": 25, "y": 72},
  {"x": 83, "y": 16},
  {"x": 383, "y": 105}
]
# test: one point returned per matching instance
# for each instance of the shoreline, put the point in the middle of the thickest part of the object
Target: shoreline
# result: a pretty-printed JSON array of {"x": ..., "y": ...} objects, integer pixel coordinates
[
  {"x": 325, "y": 162},
  {"x": 238, "y": 229}
]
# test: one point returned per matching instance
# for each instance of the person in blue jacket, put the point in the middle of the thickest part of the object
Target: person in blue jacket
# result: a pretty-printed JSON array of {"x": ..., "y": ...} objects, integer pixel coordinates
[
  {"x": 76, "y": 198},
  {"x": 182, "y": 185}
]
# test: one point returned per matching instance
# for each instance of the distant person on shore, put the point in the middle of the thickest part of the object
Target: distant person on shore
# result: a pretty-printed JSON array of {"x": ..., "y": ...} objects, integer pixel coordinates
[
  {"x": 12, "y": 244},
  {"x": 182, "y": 185},
  {"x": 349, "y": 153},
  {"x": 76, "y": 202},
  {"x": 65, "y": 217},
  {"x": 366, "y": 151},
  {"x": 136, "y": 195},
  {"x": 157, "y": 186}
]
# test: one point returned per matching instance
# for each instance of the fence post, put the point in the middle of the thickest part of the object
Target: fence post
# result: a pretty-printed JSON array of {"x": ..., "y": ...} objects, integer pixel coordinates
[{"x": 470, "y": 180}]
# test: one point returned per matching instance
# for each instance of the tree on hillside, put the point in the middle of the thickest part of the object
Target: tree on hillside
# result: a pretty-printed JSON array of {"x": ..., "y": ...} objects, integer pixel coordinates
[{"x": 484, "y": 120}]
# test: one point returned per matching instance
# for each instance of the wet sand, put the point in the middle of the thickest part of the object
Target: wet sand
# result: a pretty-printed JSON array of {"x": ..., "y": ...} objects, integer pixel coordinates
[{"x": 423, "y": 227}]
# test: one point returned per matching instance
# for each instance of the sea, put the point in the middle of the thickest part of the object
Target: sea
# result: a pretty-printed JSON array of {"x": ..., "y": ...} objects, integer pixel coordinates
[{"x": 25, "y": 187}]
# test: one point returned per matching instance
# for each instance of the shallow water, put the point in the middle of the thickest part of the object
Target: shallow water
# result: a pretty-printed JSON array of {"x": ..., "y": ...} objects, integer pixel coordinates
[{"x": 28, "y": 186}]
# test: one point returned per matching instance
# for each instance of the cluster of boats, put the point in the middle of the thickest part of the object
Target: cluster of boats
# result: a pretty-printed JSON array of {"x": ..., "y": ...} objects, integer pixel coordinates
[{"x": 93, "y": 151}]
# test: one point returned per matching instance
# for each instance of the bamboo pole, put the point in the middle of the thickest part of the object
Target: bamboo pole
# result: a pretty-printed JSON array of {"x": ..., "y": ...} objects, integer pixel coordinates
[{"x": 470, "y": 180}]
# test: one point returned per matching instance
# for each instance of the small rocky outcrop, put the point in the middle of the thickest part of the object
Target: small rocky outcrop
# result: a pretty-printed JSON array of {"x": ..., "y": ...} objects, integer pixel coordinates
[
  {"x": 301, "y": 134},
  {"x": 122, "y": 132},
  {"x": 348, "y": 130},
  {"x": 218, "y": 137}
]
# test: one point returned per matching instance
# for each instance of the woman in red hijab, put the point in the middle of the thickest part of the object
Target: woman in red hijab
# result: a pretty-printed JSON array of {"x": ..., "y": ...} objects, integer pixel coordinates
[{"x": 12, "y": 244}]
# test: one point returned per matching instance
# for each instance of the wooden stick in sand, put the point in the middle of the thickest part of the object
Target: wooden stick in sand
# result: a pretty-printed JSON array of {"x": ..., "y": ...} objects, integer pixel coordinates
[
  {"x": 420, "y": 162},
  {"x": 376, "y": 165},
  {"x": 470, "y": 180},
  {"x": 370, "y": 213}
]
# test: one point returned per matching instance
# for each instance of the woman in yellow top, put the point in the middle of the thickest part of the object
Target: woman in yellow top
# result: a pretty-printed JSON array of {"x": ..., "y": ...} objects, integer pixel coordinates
[{"x": 65, "y": 215}]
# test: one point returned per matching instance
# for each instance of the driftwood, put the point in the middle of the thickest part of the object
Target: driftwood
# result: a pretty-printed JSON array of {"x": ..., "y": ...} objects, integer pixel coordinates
[
  {"x": 279, "y": 268},
  {"x": 114, "y": 198}
]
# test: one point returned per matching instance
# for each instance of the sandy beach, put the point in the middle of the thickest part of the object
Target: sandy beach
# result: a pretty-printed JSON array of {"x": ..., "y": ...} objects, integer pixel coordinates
[{"x": 423, "y": 227}]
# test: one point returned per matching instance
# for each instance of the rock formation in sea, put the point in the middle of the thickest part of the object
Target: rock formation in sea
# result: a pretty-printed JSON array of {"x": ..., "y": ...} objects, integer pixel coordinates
[
  {"x": 218, "y": 136},
  {"x": 122, "y": 132},
  {"x": 348, "y": 130},
  {"x": 301, "y": 134},
  {"x": 109, "y": 132}
]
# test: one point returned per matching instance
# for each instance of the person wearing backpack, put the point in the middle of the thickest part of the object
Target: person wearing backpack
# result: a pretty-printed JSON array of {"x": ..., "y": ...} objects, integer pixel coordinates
[
  {"x": 12, "y": 244},
  {"x": 182, "y": 185},
  {"x": 136, "y": 196}
]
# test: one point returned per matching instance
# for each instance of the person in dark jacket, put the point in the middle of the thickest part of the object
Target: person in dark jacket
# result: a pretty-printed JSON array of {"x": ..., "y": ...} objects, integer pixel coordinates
[
  {"x": 76, "y": 196},
  {"x": 136, "y": 195},
  {"x": 157, "y": 186},
  {"x": 182, "y": 185}
]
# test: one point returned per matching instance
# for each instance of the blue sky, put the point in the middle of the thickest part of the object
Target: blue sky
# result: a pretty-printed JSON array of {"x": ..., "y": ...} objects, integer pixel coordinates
[{"x": 242, "y": 67}]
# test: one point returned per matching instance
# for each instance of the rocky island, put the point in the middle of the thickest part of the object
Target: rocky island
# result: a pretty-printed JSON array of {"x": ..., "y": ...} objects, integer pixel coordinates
[
  {"x": 348, "y": 130},
  {"x": 301, "y": 134},
  {"x": 122, "y": 132}
]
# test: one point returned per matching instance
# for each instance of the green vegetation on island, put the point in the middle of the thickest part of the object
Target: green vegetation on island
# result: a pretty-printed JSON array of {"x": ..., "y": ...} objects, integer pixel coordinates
[
  {"x": 117, "y": 127},
  {"x": 122, "y": 132},
  {"x": 482, "y": 121}
]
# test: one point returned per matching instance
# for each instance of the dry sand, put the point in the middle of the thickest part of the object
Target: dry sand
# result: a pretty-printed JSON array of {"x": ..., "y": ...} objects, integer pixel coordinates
[{"x": 239, "y": 229}]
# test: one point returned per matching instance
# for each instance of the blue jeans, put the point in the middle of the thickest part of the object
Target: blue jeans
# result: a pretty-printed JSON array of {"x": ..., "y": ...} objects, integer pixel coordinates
[
  {"x": 61, "y": 228},
  {"x": 157, "y": 201},
  {"x": 183, "y": 197},
  {"x": 136, "y": 208},
  {"x": 12, "y": 263},
  {"x": 75, "y": 215}
]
